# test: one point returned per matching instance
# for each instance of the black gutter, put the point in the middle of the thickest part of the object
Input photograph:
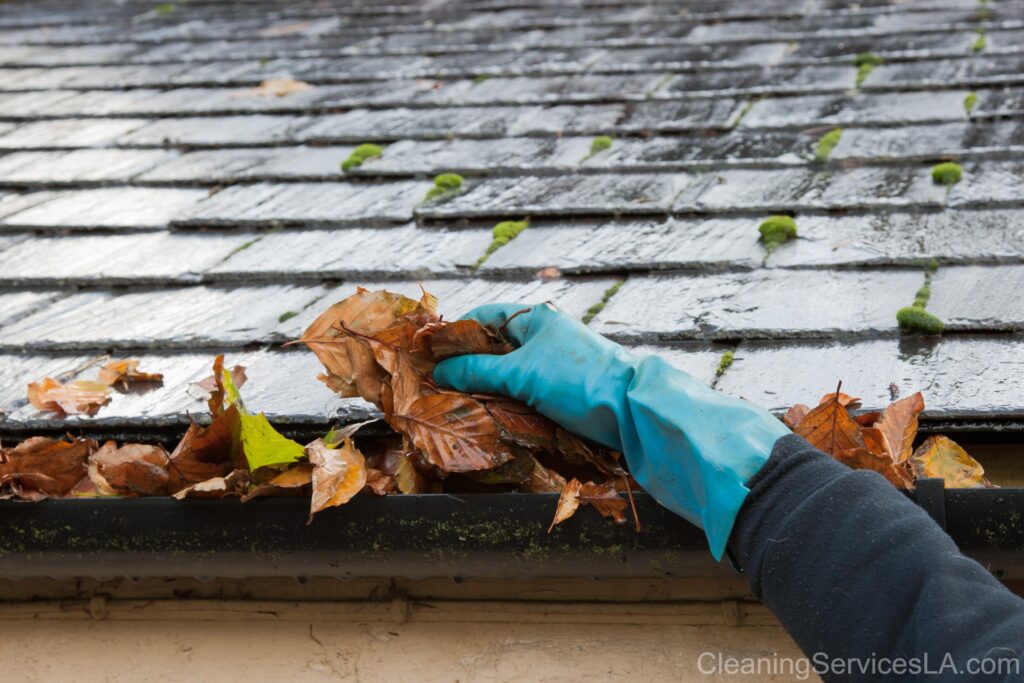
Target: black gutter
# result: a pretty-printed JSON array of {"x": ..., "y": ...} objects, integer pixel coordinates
[{"x": 416, "y": 536}]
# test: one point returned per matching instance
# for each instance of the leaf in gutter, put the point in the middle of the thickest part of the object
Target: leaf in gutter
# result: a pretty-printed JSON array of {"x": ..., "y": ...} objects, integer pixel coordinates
[
  {"x": 568, "y": 503},
  {"x": 232, "y": 484},
  {"x": 292, "y": 482},
  {"x": 795, "y": 415},
  {"x": 74, "y": 398},
  {"x": 260, "y": 443},
  {"x": 205, "y": 452},
  {"x": 829, "y": 427},
  {"x": 602, "y": 497},
  {"x": 338, "y": 474},
  {"x": 455, "y": 432},
  {"x": 125, "y": 372},
  {"x": 544, "y": 480},
  {"x": 863, "y": 459},
  {"x": 40, "y": 467},
  {"x": 942, "y": 457},
  {"x": 134, "y": 469},
  {"x": 845, "y": 400},
  {"x": 899, "y": 424},
  {"x": 605, "y": 499}
]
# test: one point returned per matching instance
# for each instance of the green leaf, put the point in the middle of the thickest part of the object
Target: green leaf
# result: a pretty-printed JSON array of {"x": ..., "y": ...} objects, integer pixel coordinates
[{"x": 262, "y": 445}]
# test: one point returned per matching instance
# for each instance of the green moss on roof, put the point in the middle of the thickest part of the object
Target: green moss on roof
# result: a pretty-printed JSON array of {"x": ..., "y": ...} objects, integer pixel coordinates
[
  {"x": 947, "y": 173},
  {"x": 776, "y": 230},
  {"x": 914, "y": 318},
  {"x": 969, "y": 101},
  {"x": 826, "y": 144},
  {"x": 165, "y": 8},
  {"x": 865, "y": 63},
  {"x": 445, "y": 184},
  {"x": 599, "y": 306},
  {"x": 724, "y": 363},
  {"x": 980, "y": 41},
  {"x": 363, "y": 152},
  {"x": 502, "y": 234},
  {"x": 917, "y": 319}
]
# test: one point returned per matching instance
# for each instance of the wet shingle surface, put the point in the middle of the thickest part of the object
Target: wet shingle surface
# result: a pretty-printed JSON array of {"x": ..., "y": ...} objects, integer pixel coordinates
[{"x": 155, "y": 202}]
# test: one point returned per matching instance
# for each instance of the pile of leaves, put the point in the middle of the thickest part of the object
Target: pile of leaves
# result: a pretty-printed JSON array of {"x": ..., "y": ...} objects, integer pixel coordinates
[
  {"x": 883, "y": 441},
  {"x": 383, "y": 347},
  {"x": 377, "y": 345}
]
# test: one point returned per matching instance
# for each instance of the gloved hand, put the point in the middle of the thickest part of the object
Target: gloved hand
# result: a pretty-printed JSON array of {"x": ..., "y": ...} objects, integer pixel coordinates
[{"x": 689, "y": 446}]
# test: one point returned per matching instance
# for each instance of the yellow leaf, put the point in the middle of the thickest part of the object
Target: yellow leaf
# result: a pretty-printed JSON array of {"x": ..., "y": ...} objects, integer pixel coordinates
[{"x": 940, "y": 456}]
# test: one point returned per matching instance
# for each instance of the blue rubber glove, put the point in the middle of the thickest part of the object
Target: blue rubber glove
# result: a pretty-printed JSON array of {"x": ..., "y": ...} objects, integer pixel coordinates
[{"x": 689, "y": 446}]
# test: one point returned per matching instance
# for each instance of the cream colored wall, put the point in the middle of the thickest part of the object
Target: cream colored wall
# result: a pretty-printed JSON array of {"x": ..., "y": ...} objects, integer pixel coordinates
[{"x": 116, "y": 639}]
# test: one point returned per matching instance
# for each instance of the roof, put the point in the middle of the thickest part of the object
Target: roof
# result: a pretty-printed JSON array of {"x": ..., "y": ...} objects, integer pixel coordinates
[{"x": 154, "y": 206}]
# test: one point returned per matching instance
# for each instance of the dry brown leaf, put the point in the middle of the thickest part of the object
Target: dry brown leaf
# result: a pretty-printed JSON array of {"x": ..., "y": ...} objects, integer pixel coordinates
[
  {"x": 943, "y": 458},
  {"x": 795, "y": 415},
  {"x": 338, "y": 474},
  {"x": 218, "y": 487},
  {"x": 125, "y": 372},
  {"x": 899, "y": 424},
  {"x": 863, "y": 459},
  {"x": 568, "y": 503},
  {"x": 204, "y": 452},
  {"x": 211, "y": 389},
  {"x": 40, "y": 467},
  {"x": 290, "y": 482},
  {"x": 133, "y": 469},
  {"x": 276, "y": 87},
  {"x": 829, "y": 427},
  {"x": 455, "y": 432},
  {"x": 466, "y": 336},
  {"x": 544, "y": 480},
  {"x": 74, "y": 398},
  {"x": 845, "y": 400},
  {"x": 605, "y": 499}
]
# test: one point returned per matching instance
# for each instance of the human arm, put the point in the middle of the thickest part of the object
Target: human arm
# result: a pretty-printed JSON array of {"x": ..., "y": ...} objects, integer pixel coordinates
[{"x": 851, "y": 567}]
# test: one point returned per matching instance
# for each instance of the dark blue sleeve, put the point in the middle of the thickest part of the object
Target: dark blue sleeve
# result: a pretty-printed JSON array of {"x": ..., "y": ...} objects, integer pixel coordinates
[{"x": 856, "y": 571}]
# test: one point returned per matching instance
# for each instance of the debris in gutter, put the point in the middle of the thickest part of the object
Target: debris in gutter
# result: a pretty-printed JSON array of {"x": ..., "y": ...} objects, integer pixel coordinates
[{"x": 883, "y": 441}]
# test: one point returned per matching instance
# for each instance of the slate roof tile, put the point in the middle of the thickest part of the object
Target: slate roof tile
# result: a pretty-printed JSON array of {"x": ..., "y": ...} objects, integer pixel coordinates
[{"x": 152, "y": 204}]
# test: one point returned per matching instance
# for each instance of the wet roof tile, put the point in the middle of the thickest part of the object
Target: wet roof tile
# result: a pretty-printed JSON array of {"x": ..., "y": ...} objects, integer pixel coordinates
[{"x": 153, "y": 202}]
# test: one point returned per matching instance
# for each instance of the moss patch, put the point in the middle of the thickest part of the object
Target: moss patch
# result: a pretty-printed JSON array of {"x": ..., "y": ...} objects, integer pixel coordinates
[
  {"x": 947, "y": 173},
  {"x": 599, "y": 306},
  {"x": 725, "y": 363},
  {"x": 826, "y": 144},
  {"x": 979, "y": 42},
  {"x": 917, "y": 319},
  {"x": 286, "y": 316},
  {"x": 776, "y": 230},
  {"x": 445, "y": 185},
  {"x": 363, "y": 152},
  {"x": 165, "y": 8},
  {"x": 501, "y": 234},
  {"x": 914, "y": 318},
  {"x": 970, "y": 101},
  {"x": 865, "y": 63},
  {"x": 598, "y": 145}
]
